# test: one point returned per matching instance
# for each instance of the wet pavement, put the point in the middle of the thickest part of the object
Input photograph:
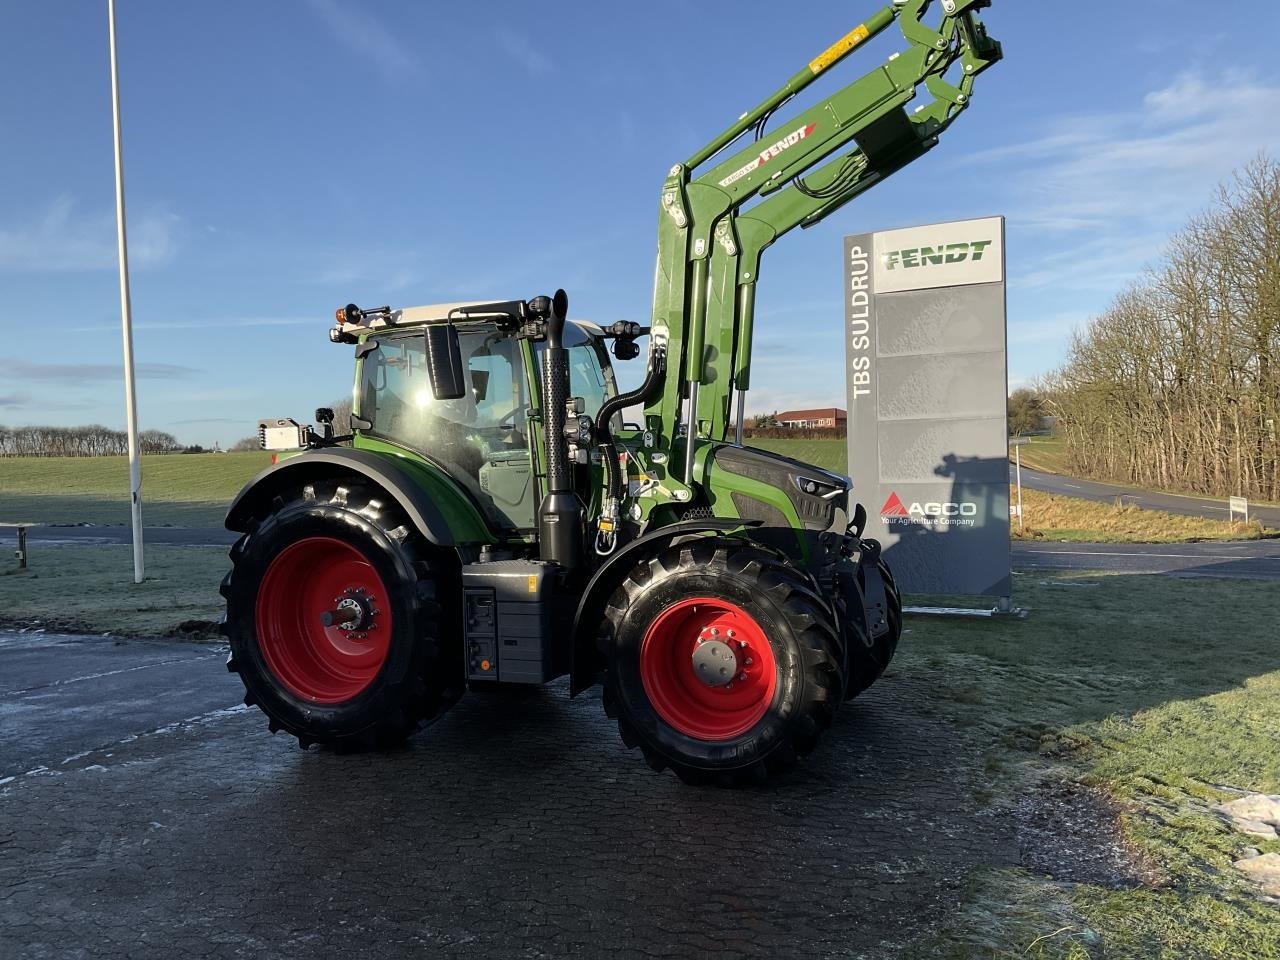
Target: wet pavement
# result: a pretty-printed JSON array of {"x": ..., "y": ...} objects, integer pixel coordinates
[{"x": 145, "y": 813}]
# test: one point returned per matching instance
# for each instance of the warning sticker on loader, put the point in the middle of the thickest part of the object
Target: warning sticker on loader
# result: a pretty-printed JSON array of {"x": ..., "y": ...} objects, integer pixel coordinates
[{"x": 839, "y": 49}]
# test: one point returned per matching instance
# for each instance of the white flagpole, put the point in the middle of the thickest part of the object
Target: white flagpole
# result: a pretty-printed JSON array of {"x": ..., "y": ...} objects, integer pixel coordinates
[{"x": 126, "y": 315}]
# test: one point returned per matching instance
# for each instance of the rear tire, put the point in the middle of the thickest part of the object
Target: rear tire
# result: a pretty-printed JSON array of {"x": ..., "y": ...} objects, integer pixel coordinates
[
  {"x": 784, "y": 643},
  {"x": 340, "y": 548}
]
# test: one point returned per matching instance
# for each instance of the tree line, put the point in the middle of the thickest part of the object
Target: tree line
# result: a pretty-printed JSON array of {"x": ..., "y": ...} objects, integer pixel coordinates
[
  {"x": 92, "y": 440},
  {"x": 1177, "y": 383}
]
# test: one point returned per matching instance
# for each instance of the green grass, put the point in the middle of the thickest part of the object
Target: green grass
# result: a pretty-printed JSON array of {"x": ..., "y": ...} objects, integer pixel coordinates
[
  {"x": 1047, "y": 454},
  {"x": 177, "y": 489},
  {"x": 828, "y": 454},
  {"x": 89, "y": 588},
  {"x": 1117, "y": 682}
]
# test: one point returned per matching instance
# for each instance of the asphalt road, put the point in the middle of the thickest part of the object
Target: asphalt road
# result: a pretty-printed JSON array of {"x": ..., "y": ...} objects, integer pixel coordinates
[
  {"x": 144, "y": 812},
  {"x": 1149, "y": 500},
  {"x": 1249, "y": 560}
]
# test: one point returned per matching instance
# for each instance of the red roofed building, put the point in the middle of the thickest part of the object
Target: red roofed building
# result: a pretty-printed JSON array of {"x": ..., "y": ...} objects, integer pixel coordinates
[{"x": 810, "y": 419}]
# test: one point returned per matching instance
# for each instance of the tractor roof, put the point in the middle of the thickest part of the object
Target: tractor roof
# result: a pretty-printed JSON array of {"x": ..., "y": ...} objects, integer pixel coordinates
[{"x": 434, "y": 313}]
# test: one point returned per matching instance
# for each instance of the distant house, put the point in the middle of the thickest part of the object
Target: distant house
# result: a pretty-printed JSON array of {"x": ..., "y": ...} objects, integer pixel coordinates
[{"x": 810, "y": 419}]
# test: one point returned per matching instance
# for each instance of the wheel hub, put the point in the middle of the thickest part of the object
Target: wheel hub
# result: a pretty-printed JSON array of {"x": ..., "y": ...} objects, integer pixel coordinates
[
  {"x": 353, "y": 612},
  {"x": 715, "y": 662}
]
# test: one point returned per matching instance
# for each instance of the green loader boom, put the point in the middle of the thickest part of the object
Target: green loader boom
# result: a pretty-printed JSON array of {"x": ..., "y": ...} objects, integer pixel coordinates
[{"x": 710, "y": 241}]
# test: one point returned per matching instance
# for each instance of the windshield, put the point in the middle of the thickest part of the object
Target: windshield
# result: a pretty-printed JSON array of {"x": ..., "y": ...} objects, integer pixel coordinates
[{"x": 590, "y": 374}]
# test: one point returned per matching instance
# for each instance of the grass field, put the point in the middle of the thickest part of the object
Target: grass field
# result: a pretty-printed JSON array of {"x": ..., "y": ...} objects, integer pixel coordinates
[
  {"x": 1112, "y": 682},
  {"x": 1048, "y": 454},
  {"x": 1051, "y": 517},
  {"x": 89, "y": 588},
  {"x": 190, "y": 490}
]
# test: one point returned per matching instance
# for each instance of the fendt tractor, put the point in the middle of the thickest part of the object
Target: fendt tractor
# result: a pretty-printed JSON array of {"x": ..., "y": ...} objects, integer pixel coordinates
[{"x": 492, "y": 520}]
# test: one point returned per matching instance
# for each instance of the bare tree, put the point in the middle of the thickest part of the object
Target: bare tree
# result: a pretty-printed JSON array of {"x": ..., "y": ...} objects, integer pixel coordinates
[{"x": 1176, "y": 383}]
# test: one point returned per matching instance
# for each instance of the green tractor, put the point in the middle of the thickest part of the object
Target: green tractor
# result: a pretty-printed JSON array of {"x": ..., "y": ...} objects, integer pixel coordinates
[{"x": 494, "y": 520}]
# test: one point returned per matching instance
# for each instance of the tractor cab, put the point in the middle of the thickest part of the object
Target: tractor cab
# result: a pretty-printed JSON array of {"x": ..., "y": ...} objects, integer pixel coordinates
[{"x": 487, "y": 439}]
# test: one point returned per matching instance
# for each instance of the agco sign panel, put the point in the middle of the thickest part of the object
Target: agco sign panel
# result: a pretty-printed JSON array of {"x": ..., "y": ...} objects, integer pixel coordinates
[{"x": 926, "y": 383}]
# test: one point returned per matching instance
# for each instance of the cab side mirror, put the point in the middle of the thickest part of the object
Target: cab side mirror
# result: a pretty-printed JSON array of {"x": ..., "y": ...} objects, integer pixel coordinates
[{"x": 444, "y": 362}]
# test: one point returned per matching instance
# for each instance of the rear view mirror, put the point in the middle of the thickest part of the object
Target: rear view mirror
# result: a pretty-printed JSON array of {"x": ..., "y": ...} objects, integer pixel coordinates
[{"x": 444, "y": 362}]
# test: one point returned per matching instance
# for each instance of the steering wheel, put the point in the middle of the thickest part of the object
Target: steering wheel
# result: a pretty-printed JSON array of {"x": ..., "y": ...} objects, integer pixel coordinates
[{"x": 508, "y": 422}]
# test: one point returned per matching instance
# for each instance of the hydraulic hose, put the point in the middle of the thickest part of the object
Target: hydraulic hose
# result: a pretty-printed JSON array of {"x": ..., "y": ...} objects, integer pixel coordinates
[
  {"x": 610, "y": 504},
  {"x": 657, "y": 370}
]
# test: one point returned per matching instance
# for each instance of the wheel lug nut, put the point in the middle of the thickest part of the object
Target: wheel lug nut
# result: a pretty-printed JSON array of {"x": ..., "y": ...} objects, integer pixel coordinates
[
  {"x": 731, "y": 634},
  {"x": 749, "y": 661}
]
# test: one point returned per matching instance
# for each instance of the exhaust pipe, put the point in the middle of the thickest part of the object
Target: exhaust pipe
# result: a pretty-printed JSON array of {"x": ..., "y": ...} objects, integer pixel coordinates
[{"x": 560, "y": 517}]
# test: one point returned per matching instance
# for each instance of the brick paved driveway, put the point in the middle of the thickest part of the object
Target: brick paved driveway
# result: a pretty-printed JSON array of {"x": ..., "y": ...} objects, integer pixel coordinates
[{"x": 145, "y": 813}]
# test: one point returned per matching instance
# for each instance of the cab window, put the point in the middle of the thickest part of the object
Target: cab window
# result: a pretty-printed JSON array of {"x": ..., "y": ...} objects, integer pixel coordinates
[{"x": 480, "y": 439}]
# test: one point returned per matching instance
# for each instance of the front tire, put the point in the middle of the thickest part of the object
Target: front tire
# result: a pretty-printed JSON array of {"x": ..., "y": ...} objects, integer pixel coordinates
[
  {"x": 721, "y": 662},
  {"x": 333, "y": 619},
  {"x": 867, "y": 661}
]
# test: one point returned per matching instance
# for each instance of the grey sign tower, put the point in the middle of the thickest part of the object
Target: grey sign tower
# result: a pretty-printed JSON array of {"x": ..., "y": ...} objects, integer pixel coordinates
[{"x": 927, "y": 395}]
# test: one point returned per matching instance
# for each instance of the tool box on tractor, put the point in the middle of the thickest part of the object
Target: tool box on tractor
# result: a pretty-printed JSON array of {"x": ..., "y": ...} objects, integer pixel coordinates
[{"x": 492, "y": 521}]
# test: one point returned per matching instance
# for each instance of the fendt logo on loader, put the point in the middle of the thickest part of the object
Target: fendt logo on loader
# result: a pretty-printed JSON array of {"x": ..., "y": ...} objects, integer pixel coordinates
[
  {"x": 933, "y": 514},
  {"x": 786, "y": 143},
  {"x": 914, "y": 257}
]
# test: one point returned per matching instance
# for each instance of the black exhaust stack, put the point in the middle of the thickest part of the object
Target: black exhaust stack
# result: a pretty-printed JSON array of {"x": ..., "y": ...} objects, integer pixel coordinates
[{"x": 560, "y": 519}]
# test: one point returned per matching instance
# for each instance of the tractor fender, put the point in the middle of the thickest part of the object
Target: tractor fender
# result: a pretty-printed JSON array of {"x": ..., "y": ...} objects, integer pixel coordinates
[
  {"x": 606, "y": 579},
  {"x": 323, "y": 464}
]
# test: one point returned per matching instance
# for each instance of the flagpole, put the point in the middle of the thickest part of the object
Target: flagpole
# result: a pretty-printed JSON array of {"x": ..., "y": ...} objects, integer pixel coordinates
[{"x": 126, "y": 314}]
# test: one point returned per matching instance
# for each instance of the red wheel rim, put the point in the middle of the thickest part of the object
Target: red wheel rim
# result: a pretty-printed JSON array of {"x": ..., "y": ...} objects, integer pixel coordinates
[
  {"x": 681, "y": 697},
  {"x": 306, "y": 581}
]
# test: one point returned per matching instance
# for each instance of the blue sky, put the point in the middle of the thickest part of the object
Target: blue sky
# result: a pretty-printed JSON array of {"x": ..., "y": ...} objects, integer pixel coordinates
[{"x": 284, "y": 158}]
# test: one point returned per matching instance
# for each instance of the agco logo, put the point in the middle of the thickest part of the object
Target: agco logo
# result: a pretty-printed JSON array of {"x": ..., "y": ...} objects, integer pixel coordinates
[
  {"x": 958, "y": 514},
  {"x": 915, "y": 257}
]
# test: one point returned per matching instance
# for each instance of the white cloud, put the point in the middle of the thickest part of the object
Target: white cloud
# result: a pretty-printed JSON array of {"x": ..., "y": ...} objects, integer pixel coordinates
[
  {"x": 1154, "y": 165},
  {"x": 63, "y": 240},
  {"x": 524, "y": 52},
  {"x": 366, "y": 36},
  {"x": 73, "y": 374}
]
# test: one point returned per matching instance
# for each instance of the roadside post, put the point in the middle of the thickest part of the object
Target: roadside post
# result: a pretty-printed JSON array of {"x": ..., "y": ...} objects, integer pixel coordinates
[
  {"x": 1018, "y": 443},
  {"x": 22, "y": 547},
  {"x": 126, "y": 312}
]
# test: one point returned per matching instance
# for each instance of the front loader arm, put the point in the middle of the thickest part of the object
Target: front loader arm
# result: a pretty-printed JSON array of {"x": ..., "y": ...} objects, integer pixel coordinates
[{"x": 710, "y": 247}]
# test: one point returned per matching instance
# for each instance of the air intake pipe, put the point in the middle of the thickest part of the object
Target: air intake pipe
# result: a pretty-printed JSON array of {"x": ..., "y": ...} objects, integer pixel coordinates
[{"x": 560, "y": 517}]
